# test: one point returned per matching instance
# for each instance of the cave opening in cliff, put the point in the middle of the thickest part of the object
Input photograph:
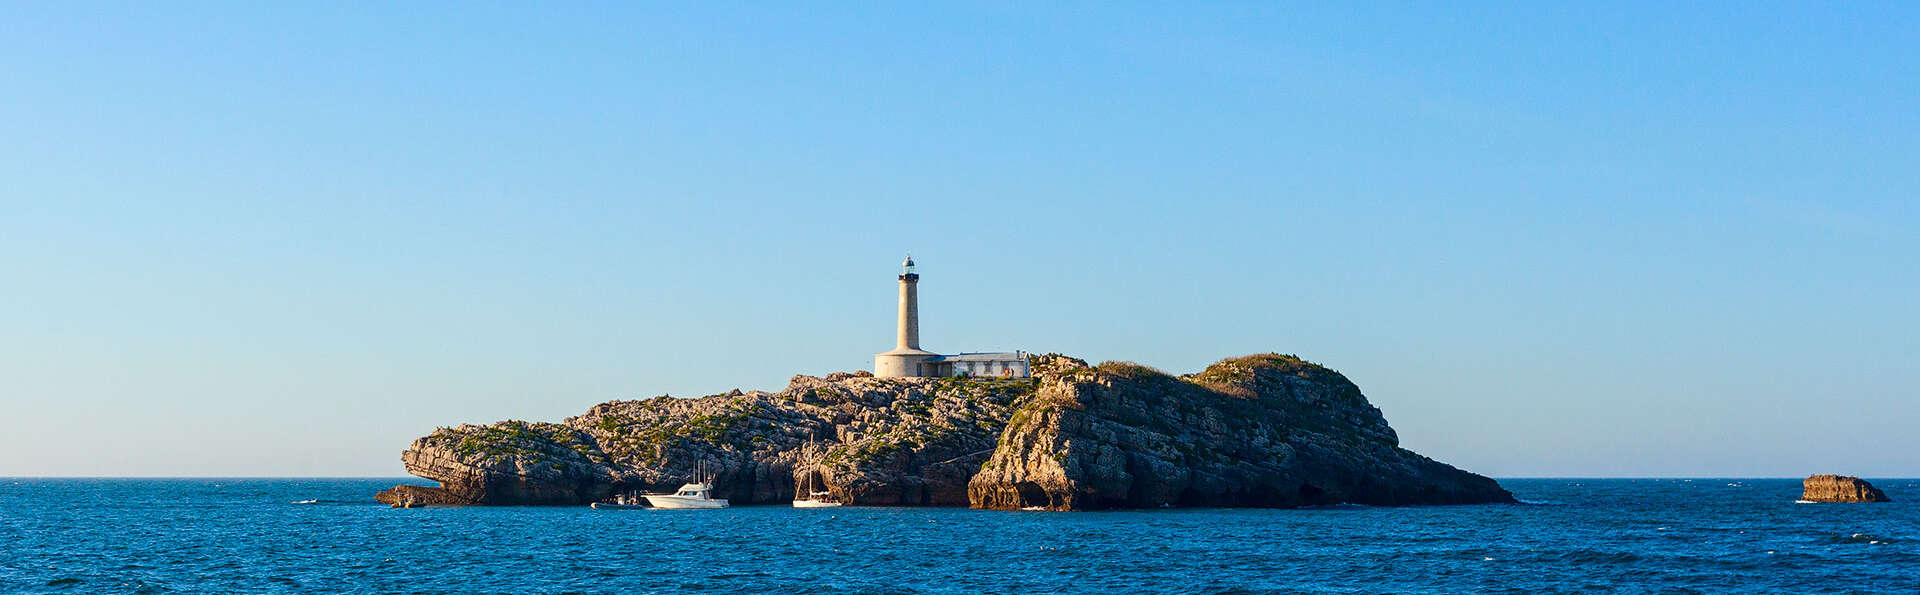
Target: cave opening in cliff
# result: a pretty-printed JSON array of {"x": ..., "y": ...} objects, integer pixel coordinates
[
  {"x": 808, "y": 482},
  {"x": 1032, "y": 495},
  {"x": 1312, "y": 495},
  {"x": 625, "y": 493}
]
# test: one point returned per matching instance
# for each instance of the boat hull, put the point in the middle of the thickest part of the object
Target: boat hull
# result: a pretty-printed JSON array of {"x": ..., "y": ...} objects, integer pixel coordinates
[
  {"x": 813, "y": 503},
  {"x": 610, "y": 506},
  {"x": 673, "y": 502}
]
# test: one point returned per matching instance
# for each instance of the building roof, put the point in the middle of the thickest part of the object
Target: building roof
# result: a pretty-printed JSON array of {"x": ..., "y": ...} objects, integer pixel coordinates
[{"x": 998, "y": 356}]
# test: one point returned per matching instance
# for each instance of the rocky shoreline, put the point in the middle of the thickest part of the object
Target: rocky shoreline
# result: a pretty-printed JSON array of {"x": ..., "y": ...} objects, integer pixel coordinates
[{"x": 1264, "y": 430}]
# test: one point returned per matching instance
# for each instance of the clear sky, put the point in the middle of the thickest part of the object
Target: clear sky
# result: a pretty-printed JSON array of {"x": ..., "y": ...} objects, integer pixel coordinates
[{"x": 1620, "y": 240}]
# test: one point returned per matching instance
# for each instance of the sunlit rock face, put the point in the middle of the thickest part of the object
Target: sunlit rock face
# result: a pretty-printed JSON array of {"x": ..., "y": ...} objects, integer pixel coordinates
[{"x": 1840, "y": 488}]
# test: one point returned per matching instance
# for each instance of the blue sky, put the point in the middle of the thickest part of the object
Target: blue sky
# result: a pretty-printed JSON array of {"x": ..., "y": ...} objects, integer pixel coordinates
[{"x": 1626, "y": 240}]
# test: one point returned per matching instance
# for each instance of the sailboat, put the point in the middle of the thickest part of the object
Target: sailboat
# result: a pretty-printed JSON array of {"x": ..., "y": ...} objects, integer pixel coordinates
[
  {"x": 698, "y": 494},
  {"x": 814, "y": 498}
]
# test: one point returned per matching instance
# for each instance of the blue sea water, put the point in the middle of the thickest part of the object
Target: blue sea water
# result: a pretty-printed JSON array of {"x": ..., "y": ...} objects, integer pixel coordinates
[{"x": 254, "y": 535}]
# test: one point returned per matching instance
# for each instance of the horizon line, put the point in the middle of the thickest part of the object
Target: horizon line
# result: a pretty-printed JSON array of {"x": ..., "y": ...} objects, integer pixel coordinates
[{"x": 409, "y": 477}]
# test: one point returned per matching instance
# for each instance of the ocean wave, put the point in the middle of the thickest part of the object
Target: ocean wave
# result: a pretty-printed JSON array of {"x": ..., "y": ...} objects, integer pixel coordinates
[
  {"x": 1861, "y": 539},
  {"x": 1587, "y": 556},
  {"x": 312, "y": 501},
  {"x": 1334, "y": 506}
]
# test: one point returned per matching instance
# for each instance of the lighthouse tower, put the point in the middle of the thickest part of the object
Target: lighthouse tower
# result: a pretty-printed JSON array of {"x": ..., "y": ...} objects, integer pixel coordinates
[{"x": 906, "y": 360}]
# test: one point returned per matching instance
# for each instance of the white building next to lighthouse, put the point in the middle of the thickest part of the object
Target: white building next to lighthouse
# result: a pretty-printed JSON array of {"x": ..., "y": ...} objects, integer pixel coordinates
[{"x": 908, "y": 360}]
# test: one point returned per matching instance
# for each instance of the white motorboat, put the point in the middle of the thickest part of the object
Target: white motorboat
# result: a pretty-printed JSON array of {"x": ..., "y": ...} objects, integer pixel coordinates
[
  {"x": 693, "y": 495},
  {"x": 698, "y": 494}
]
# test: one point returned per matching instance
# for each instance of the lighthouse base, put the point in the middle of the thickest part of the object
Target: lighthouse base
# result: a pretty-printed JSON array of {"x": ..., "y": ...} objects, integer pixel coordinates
[{"x": 905, "y": 363}]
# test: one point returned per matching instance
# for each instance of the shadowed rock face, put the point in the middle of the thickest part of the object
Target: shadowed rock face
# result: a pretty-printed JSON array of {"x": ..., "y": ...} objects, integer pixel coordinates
[
  {"x": 1264, "y": 430},
  {"x": 1840, "y": 488},
  {"x": 1257, "y": 431}
]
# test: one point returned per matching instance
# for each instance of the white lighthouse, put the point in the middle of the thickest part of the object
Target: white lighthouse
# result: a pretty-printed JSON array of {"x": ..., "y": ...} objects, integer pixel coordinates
[{"x": 908, "y": 360}]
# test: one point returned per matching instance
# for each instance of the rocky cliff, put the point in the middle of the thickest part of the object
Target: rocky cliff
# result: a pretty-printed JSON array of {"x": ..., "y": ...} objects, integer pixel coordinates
[
  {"x": 1840, "y": 488},
  {"x": 1264, "y": 430}
]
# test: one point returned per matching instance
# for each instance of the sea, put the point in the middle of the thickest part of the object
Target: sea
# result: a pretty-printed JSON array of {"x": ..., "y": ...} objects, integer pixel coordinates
[{"x": 1569, "y": 535}]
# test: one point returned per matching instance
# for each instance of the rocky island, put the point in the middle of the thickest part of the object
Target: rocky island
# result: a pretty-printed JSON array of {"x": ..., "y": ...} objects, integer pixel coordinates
[
  {"x": 1840, "y": 488},
  {"x": 1263, "y": 430}
]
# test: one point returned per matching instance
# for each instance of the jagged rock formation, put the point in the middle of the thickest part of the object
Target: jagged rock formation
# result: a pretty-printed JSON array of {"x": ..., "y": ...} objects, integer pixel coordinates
[
  {"x": 416, "y": 496},
  {"x": 507, "y": 462},
  {"x": 1264, "y": 430},
  {"x": 867, "y": 440},
  {"x": 1840, "y": 488}
]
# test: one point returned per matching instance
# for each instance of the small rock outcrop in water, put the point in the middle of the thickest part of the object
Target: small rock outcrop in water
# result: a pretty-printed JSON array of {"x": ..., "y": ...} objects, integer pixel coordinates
[
  {"x": 415, "y": 496},
  {"x": 1264, "y": 430},
  {"x": 1840, "y": 488}
]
